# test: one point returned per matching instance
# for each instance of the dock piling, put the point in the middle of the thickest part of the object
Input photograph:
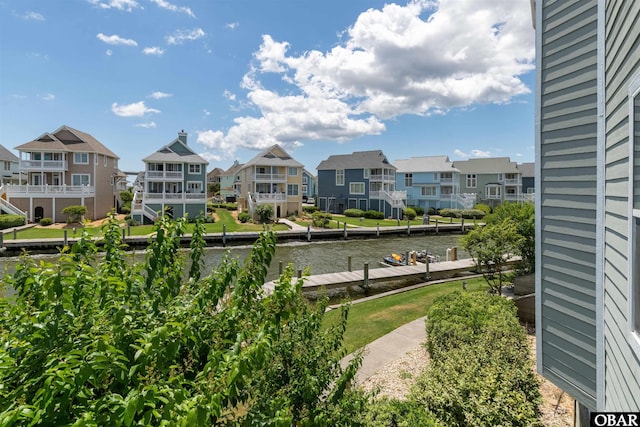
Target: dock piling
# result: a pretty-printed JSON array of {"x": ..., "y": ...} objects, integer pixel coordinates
[
  {"x": 408, "y": 228},
  {"x": 349, "y": 263},
  {"x": 299, "y": 273},
  {"x": 345, "y": 229},
  {"x": 308, "y": 233},
  {"x": 428, "y": 275},
  {"x": 365, "y": 283},
  {"x": 66, "y": 241},
  {"x": 462, "y": 227},
  {"x": 15, "y": 234},
  {"x": 224, "y": 235},
  {"x": 1, "y": 239},
  {"x": 436, "y": 225},
  {"x": 280, "y": 268},
  {"x": 378, "y": 229}
]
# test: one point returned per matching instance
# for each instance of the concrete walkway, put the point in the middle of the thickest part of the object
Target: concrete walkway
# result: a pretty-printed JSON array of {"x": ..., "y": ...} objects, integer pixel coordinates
[
  {"x": 292, "y": 225},
  {"x": 389, "y": 347}
]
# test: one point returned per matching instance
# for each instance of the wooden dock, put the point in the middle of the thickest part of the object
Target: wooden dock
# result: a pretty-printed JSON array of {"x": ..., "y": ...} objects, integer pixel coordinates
[{"x": 410, "y": 273}]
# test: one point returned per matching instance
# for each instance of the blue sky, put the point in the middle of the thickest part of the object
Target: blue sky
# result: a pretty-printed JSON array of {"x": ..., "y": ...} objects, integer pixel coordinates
[{"x": 417, "y": 78}]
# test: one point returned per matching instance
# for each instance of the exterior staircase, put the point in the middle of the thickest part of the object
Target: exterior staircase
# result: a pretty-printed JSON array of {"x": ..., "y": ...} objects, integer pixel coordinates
[
  {"x": 251, "y": 203},
  {"x": 395, "y": 199},
  {"x": 7, "y": 207},
  {"x": 138, "y": 207},
  {"x": 465, "y": 200}
]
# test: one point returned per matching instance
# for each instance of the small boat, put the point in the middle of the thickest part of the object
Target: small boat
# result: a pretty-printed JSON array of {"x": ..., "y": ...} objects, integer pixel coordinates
[
  {"x": 415, "y": 257},
  {"x": 394, "y": 260}
]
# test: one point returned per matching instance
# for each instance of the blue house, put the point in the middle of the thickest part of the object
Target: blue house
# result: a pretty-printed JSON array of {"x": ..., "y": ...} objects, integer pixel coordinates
[
  {"x": 430, "y": 182},
  {"x": 308, "y": 185},
  {"x": 361, "y": 180},
  {"x": 174, "y": 182}
]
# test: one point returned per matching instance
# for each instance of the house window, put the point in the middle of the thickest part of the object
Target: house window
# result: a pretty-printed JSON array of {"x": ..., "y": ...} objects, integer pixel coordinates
[
  {"x": 36, "y": 179},
  {"x": 340, "y": 177},
  {"x": 292, "y": 189},
  {"x": 80, "y": 179},
  {"x": 408, "y": 180},
  {"x": 194, "y": 169},
  {"x": 155, "y": 167},
  {"x": 471, "y": 180},
  {"x": 428, "y": 191},
  {"x": 174, "y": 167},
  {"x": 305, "y": 180},
  {"x": 356, "y": 188},
  {"x": 81, "y": 158},
  {"x": 633, "y": 297},
  {"x": 293, "y": 171},
  {"x": 366, "y": 173},
  {"x": 500, "y": 177},
  {"x": 304, "y": 189},
  {"x": 7, "y": 165},
  {"x": 194, "y": 187},
  {"x": 493, "y": 191},
  {"x": 95, "y": 158},
  {"x": 105, "y": 161}
]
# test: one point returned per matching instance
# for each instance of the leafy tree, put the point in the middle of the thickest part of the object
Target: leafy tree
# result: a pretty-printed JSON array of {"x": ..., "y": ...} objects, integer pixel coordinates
[
  {"x": 103, "y": 341},
  {"x": 524, "y": 216},
  {"x": 74, "y": 213},
  {"x": 126, "y": 196},
  {"x": 321, "y": 219},
  {"x": 213, "y": 188},
  {"x": 491, "y": 247},
  {"x": 265, "y": 213}
]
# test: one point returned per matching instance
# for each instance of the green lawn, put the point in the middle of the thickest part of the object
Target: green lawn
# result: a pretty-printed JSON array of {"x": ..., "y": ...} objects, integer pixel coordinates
[{"x": 370, "y": 320}]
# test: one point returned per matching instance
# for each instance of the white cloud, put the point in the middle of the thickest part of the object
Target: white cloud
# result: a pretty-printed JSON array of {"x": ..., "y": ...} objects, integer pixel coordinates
[
  {"x": 109, "y": 52},
  {"x": 229, "y": 95},
  {"x": 181, "y": 36},
  {"x": 480, "y": 153},
  {"x": 211, "y": 157},
  {"x": 116, "y": 40},
  {"x": 460, "y": 154},
  {"x": 154, "y": 50},
  {"x": 206, "y": 112},
  {"x": 146, "y": 125},
  {"x": 127, "y": 5},
  {"x": 232, "y": 25},
  {"x": 159, "y": 95},
  {"x": 424, "y": 58},
  {"x": 48, "y": 97},
  {"x": 136, "y": 109},
  {"x": 33, "y": 16},
  {"x": 173, "y": 8}
]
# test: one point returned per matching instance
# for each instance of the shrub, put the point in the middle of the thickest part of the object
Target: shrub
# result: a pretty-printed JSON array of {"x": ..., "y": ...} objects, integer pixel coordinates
[
  {"x": 243, "y": 217},
  {"x": 431, "y": 211},
  {"x": 132, "y": 222},
  {"x": 9, "y": 221},
  {"x": 472, "y": 213},
  {"x": 321, "y": 219},
  {"x": 354, "y": 213},
  {"x": 265, "y": 213},
  {"x": 209, "y": 219},
  {"x": 484, "y": 208},
  {"x": 450, "y": 213},
  {"x": 292, "y": 218},
  {"x": 126, "y": 196},
  {"x": 211, "y": 207},
  {"x": 46, "y": 221},
  {"x": 125, "y": 209},
  {"x": 392, "y": 412},
  {"x": 371, "y": 214},
  {"x": 410, "y": 213},
  {"x": 418, "y": 209},
  {"x": 74, "y": 213},
  {"x": 310, "y": 209}
]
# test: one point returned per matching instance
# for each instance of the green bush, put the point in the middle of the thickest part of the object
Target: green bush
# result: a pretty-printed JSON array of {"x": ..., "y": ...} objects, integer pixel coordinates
[
  {"x": 410, "y": 213},
  {"x": 354, "y": 213},
  {"x": 451, "y": 213},
  {"x": 132, "y": 222},
  {"x": 480, "y": 372},
  {"x": 418, "y": 209},
  {"x": 484, "y": 208},
  {"x": 321, "y": 219},
  {"x": 432, "y": 211},
  {"x": 126, "y": 196},
  {"x": 392, "y": 412},
  {"x": 243, "y": 217},
  {"x": 472, "y": 214},
  {"x": 46, "y": 221},
  {"x": 310, "y": 209},
  {"x": 209, "y": 219},
  {"x": 265, "y": 213},
  {"x": 125, "y": 209},
  {"x": 9, "y": 221},
  {"x": 74, "y": 213},
  {"x": 371, "y": 214}
]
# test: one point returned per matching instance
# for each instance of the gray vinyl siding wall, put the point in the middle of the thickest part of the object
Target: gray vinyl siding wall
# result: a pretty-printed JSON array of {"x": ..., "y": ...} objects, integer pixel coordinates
[
  {"x": 622, "y": 63},
  {"x": 567, "y": 59}
]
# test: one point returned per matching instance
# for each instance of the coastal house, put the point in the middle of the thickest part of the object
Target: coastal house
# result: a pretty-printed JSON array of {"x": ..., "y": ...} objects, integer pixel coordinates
[
  {"x": 492, "y": 180},
  {"x": 528, "y": 173},
  {"x": 213, "y": 176},
  {"x": 430, "y": 182},
  {"x": 362, "y": 180},
  {"x": 230, "y": 183},
  {"x": 63, "y": 168},
  {"x": 174, "y": 183},
  {"x": 271, "y": 177},
  {"x": 588, "y": 201},
  {"x": 308, "y": 185},
  {"x": 9, "y": 163}
]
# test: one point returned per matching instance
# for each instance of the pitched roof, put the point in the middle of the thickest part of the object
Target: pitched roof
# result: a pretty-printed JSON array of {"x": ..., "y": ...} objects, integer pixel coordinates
[
  {"x": 528, "y": 170},
  {"x": 425, "y": 164},
  {"x": 7, "y": 155},
  {"x": 356, "y": 160},
  {"x": 273, "y": 156},
  {"x": 175, "y": 152},
  {"x": 236, "y": 166},
  {"x": 215, "y": 172},
  {"x": 67, "y": 139},
  {"x": 486, "y": 166}
]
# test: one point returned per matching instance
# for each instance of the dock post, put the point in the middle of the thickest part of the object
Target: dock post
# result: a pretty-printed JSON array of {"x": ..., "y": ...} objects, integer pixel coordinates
[
  {"x": 408, "y": 228},
  {"x": 124, "y": 233},
  {"x": 428, "y": 276},
  {"x": 436, "y": 225},
  {"x": 450, "y": 220},
  {"x": 280, "y": 268},
  {"x": 365, "y": 283},
  {"x": 308, "y": 233},
  {"x": 1, "y": 239},
  {"x": 224, "y": 235},
  {"x": 65, "y": 238},
  {"x": 345, "y": 229},
  {"x": 378, "y": 229},
  {"x": 349, "y": 263},
  {"x": 299, "y": 273},
  {"x": 398, "y": 222},
  {"x": 406, "y": 257},
  {"x": 129, "y": 230},
  {"x": 15, "y": 234},
  {"x": 462, "y": 225}
]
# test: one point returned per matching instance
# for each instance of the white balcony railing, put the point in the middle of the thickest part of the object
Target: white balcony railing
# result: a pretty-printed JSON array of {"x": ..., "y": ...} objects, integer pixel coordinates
[
  {"x": 385, "y": 178},
  {"x": 270, "y": 177},
  {"x": 159, "y": 175},
  {"x": 511, "y": 197},
  {"x": 66, "y": 190},
  {"x": 446, "y": 181},
  {"x": 512, "y": 182},
  {"x": 190, "y": 197},
  {"x": 269, "y": 197},
  {"x": 43, "y": 165}
]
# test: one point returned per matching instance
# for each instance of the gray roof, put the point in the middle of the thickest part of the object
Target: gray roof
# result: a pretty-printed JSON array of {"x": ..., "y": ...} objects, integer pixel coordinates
[
  {"x": 486, "y": 166},
  {"x": 235, "y": 167},
  {"x": 67, "y": 139},
  {"x": 356, "y": 160},
  {"x": 169, "y": 155},
  {"x": 425, "y": 164},
  {"x": 273, "y": 156},
  {"x": 6, "y": 155},
  {"x": 528, "y": 170}
]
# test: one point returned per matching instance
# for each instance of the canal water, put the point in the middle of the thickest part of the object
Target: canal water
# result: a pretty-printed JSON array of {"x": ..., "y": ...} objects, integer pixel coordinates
[{"x": 320, "y": 256}]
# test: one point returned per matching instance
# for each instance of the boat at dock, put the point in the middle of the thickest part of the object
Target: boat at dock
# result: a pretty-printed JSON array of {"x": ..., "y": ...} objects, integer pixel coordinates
[{"x": 415, "y": 257}]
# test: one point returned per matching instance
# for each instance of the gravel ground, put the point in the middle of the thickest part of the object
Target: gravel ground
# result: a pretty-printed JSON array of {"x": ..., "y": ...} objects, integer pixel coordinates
[{"x": 395, "y": 379}]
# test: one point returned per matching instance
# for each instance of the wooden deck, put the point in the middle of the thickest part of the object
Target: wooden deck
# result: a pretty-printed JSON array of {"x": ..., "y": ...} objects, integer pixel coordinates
[{"x": 437, "y": 270}]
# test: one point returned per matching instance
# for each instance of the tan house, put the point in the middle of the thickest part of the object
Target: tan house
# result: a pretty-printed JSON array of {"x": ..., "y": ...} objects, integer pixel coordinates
[
  {"x": 63, "y": 168},
  {"x": 272, "y": 177}
]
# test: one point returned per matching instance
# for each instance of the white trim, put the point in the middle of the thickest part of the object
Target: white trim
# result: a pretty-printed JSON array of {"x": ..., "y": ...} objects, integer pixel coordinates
[
  {"x": 343, "y": 178},
  {"x": 80, "y": 163},
  {"x": 80, "y": 183},
  {"x": 538, "y": 186},
  {"x": 600, "y": 205},
  {"x": 633, "y": 336},
  {"x": 364, "y": 188},
  {"x": 195, "y": 166},
  {"x": 366, "y": 173}
]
